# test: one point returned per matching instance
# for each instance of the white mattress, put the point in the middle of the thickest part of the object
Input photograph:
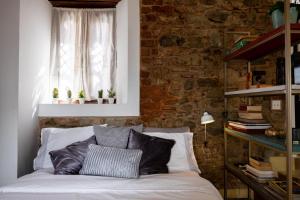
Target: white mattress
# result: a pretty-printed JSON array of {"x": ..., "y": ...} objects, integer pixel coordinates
[{"x": 43, "y": 185}]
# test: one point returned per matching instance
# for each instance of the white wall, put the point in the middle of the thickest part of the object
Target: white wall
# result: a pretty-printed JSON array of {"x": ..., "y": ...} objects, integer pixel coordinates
[
  {"x": 34, "y": 55},
  {"x": 9, "y": 40},
  {"x": 128, "y": 51},
  {"x": 122, "y": 51},
  {"x": 134, "y": 54}
]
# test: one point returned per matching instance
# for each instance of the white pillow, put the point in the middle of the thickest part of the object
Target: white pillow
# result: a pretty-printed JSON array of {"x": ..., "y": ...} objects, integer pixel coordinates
[
  {"x": 58, "y": 138},
  {"x": 182, "y": 155}
]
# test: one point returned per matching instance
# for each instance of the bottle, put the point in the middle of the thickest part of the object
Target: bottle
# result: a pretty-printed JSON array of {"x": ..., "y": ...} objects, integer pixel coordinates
[
  {"x": 280, "y": 68},
  {"x": 280, "y": 71},
  {"x": 296, "y": 65}
]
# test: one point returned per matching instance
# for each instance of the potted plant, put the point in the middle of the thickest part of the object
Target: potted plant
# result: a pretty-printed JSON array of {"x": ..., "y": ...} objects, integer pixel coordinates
[
  {"x": 111, "y": 96},
  {"x": 69, "y": 94},
  {"x": 55, "y": 95},
  {"x": 100, "y": 97},
  {"x": 81, "y": 97},
  {"x": 276, "y": 12}
]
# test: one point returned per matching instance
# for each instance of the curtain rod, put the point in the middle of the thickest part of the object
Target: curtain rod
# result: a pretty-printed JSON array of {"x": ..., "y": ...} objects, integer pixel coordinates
[{"x": 84, "y": 9}]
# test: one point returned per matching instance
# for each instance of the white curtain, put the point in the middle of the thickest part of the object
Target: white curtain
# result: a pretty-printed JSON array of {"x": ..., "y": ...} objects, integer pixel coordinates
[{"x": 83, "y": 55}]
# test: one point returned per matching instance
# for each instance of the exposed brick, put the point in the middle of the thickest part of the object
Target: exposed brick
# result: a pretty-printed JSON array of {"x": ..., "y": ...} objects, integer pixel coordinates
[
  {"x": 217, "y": 16},
  {"x": 182, "y": 72},
  {"x": 148, "y": 43}
]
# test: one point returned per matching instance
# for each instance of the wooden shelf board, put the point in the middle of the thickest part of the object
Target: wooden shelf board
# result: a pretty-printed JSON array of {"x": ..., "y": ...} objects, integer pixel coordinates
[
  {"x": 274, "y": 90},
  {"x": 271, "y": 142},
  {"x": 265, "y": 44},
  {"x": 255, "y": 186}
]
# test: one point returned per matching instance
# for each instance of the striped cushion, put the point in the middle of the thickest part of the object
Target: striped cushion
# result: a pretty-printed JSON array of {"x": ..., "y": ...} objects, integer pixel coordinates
[{"x": 113, "y": 162}]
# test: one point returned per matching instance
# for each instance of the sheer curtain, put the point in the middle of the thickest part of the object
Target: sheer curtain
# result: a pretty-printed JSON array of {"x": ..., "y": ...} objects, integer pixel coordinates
[{"x": 83, "y": 55}]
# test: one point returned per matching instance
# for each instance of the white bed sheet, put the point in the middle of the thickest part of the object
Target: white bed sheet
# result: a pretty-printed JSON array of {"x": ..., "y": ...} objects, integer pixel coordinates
[{"x": 43, "y": 185}]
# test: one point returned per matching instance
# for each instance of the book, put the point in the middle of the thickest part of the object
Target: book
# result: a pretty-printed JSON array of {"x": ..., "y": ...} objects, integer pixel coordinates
[
  {"x": 241, "y": 125},
  {"x": 278, "y": 186},
  {"x": 281, "y": 186},
  {"x": 260, "y": 173},
  {"x": 274, "y": 193},
  {"x": 248, "y": 131},
  {"x": 259, "y": 161},
  {"x": 249, "y": 124},
  {"x": 247, "y": 37},
  {"x": 260, "y": 86},
  {"x": 251, "y": 108},
  {"x": 258, "y": 179},
  {"x": 252, "y": 121},
  {"x": 250, "y": 115},
  {"x": 260, "y": 165}
]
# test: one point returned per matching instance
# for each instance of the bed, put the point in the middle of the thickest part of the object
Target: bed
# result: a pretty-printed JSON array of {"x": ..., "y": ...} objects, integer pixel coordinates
[
  {"x": 182, "y": 183},
  {"x": 43, "y": 185}
]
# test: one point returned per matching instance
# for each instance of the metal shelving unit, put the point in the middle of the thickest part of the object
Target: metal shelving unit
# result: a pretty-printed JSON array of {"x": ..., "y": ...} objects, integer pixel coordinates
[
  {"x": 280, "y": 38},
  {"x": 257, "y": 187}
]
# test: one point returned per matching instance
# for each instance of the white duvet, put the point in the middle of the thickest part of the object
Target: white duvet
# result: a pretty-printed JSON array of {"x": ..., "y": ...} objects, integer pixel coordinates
[{"x": 43, "y": 185}]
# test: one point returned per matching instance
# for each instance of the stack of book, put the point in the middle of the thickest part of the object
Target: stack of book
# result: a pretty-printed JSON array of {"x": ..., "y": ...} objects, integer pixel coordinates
[
  {"x": 250, "y": 120},
  {"x": 279, "y": 188},
  {"x": 249, "y": 128},
  {"x": 262, "y": 175},
  {"x": 259, "y": 164},
  {"x": 251, "y": 113}
]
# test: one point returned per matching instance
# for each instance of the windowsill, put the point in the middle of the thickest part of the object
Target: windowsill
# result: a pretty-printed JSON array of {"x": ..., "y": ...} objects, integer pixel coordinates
[{"x": 88, "y": 110}]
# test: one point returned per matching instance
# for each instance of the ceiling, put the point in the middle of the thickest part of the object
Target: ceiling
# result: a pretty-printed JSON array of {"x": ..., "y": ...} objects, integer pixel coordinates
[{"x": 84, "y": 3}]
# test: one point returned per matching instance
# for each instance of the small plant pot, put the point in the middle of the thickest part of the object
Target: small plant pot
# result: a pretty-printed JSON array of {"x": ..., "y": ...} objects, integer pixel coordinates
[
  {"x": 111, "y": 100},
  {"x": 54, "y": 100},
  {"x": 69, "y": 100},
  {"x": 81, "y": 100},
  {"x": 100, "y": 100}
]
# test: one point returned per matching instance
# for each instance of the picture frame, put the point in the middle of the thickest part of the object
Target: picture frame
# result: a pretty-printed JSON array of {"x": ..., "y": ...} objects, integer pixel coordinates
[{"x": 258, "y": 77}]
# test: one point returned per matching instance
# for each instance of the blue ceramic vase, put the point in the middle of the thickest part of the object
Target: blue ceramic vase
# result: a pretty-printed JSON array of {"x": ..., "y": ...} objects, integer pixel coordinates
[{"x": 277, "y": 18}]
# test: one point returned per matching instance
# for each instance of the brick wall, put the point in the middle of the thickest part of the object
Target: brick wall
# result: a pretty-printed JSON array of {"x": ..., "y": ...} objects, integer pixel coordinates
[{"x": 182, "y": 45}]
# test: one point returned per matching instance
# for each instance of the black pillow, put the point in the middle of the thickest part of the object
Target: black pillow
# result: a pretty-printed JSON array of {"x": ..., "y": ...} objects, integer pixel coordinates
[
  {"x": 156, "y": 152},
  {"x": 69, "y": 160}
]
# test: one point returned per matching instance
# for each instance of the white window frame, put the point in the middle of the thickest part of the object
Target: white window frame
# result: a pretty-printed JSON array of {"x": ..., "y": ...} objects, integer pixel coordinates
[{"x": 128, "y": 72}]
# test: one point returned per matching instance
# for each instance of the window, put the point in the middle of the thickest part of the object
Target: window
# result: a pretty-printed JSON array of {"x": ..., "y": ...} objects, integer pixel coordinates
[
  {"x": 124, "y": 76},
  {"x": 83, "y": 52}
]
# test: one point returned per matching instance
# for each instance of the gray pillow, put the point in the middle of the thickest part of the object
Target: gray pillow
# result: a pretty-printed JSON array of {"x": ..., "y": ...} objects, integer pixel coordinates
[
  {"x": 167, "y": 130},
  {"x": 114, "y": 136},
  {"x": 112, "y": 162}
]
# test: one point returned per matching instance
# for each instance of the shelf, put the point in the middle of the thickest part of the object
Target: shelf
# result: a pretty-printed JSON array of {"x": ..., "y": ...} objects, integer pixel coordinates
[
  {"x": 275, "y": 90},
  {"x": 255, "y": 186},
  {"x": 89, "y": 110},
  {"x": 265, "y": 44},
  {"x": 270, "y": 142}
]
